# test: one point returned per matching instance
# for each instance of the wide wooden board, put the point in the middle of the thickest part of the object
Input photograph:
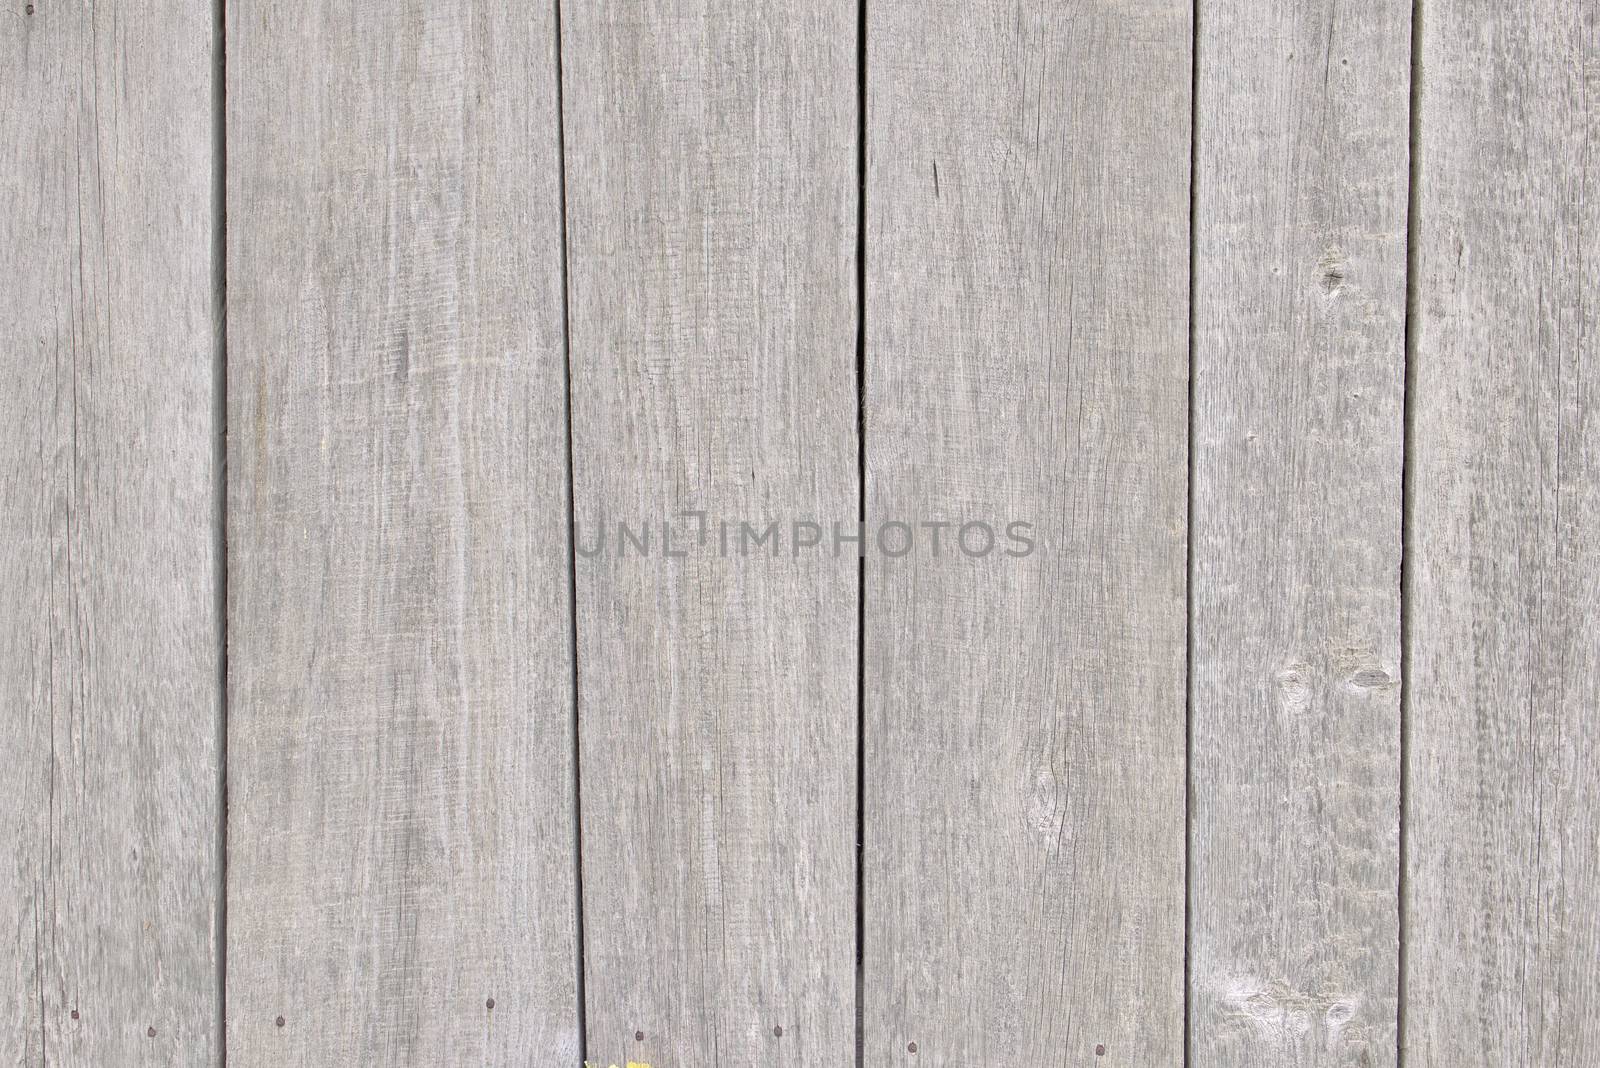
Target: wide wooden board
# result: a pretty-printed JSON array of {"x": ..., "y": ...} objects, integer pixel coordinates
[
  {"x": 401, "y": 879},
  {"x": 1026, "y": 361},
  {"x": 1303, "y": 121},
  {"x": 711, "y": 173},
  {"x": 1502, "y": 910},
  {"x": 110, "y": 637}
]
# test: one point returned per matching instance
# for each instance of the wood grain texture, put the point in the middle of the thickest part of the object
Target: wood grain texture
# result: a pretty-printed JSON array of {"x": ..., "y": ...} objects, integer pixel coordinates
[
  {"x": 401, "y": 838},
  {"x": 109, "y": 633},
  {"x": 1027, "y": 360},
  {"x": 711, "y": 155},
  {"x": 1503, "y": 896},
  {"x": 1299, "y": 362}
]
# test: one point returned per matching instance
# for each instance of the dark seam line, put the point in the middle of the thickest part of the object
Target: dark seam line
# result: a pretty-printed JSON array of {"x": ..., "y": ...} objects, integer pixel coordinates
[
  {"x": 572, "y": 554},
  {"x": 1188, "y": 591},
  {"x": 1407, "y": 476},
  {"x": 219, "y": 474},
  {"x": 861, "y": 513}
]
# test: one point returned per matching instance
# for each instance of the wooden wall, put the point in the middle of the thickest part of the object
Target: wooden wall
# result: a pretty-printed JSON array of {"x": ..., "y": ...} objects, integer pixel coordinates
[{"x": 343, "y": 724}]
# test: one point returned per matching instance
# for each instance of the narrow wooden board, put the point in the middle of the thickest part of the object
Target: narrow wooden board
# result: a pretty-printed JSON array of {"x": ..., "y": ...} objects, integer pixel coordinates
[
  {"x": 1303, "y": 120},
  {"x": 110, "y": 654},
  {"x": 1027, "y": 361},
  {"x": 402, "y": 838},
  {"x": 711, "y": 172},
  {"x": 1502, "y": 912}
]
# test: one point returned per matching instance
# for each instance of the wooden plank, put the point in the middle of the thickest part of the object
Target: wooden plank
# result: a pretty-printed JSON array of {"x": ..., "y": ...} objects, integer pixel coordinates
[
  {"x": 711, "y": 166},
  {"x": 1302, "y": 129},
  {"x": 1027, "y": 361},
  {"x": 401, "y": 878},
  {"x": 109, "y": 632},
  {"x": 1502, "y": 915}
]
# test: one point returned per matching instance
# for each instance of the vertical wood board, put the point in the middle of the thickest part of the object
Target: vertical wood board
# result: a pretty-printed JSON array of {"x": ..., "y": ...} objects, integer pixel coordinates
[
  {"x": 401, "y": 862},
  {"x": 109, "y": 629},
  {"x": 1502, "y": 912},
  {"x": 1299, "y": 362},
  {"x": 711, "y": 172},
  {"x": 1026, "y": 361}
]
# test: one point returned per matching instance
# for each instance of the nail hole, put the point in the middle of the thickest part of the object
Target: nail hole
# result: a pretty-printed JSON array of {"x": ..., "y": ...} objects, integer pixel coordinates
[
  {"x": 279, "y": 1021},
  {"x": 777, "y": 1031},
  {"x": 74, "y": 1014},
  {"x": 1100, "y": 1051},
  {"x": 911, "y": 1047},
  {"x": 638, "y": 1036},
  {"x": 150, "y": 1032},
  {"x": 489, "y": 1004}
]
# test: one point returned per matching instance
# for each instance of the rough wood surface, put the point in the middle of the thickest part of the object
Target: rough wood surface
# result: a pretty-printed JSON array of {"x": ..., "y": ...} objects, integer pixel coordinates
[
  {"x": 1299, "y": 363},
  {"x": 1027, "y": 360},
  {"x": 711, "y": 173},
  {"x": 109, "y": 635},
  {"x": 1502, "y": 915},
  {"x": 401, "y": 842}
]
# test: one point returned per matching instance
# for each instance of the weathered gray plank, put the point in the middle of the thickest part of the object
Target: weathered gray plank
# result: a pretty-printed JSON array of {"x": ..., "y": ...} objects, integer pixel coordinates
[
  {"x": 401, "y": 843},
  {"x": 1027, "y": 360},
  {"x": 1502, "y": 916},
  {"x": 1303, "y": 118},
  {"x": 710, "y": 181},
  {"x": 109, "y": 630}
]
